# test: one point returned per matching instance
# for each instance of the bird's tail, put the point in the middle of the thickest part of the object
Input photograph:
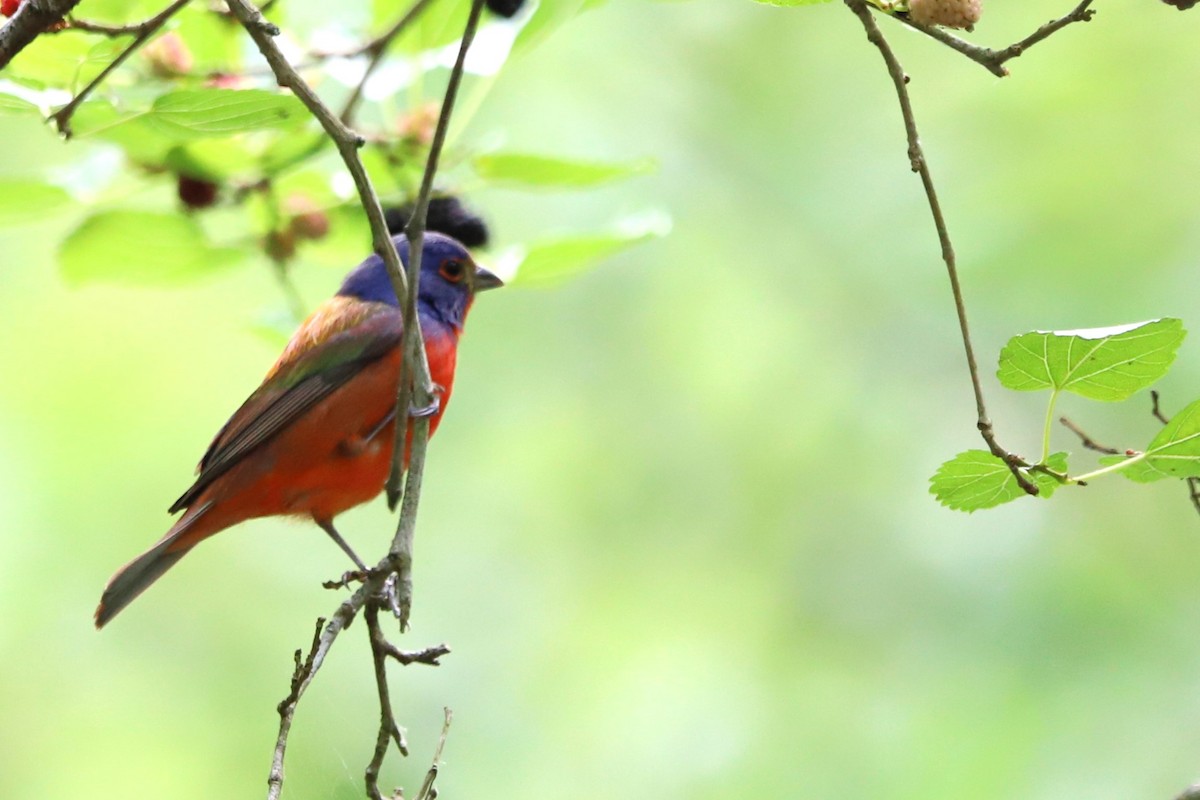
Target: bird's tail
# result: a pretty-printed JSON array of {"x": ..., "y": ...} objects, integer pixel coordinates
[{"x": 136, "y": 576}]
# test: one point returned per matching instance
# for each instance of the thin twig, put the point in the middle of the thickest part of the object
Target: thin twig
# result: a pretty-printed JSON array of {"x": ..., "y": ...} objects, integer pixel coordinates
[
  {"x": 376, "y": 49},
  {"x": 993, "y": 60},
  {"x": 427, "y": 791},
  {"x": 430, "y": 655},
  {"x": 132, "y": 29},
  {"x": 32, "y": 19},
  {"x": 389, "y": 731},
  {"x": 1087, "y": 441},
  {"x": 145, "y": 30},
  {"x": 346, "y": 140},
  {"x": 417, "y": 392},
  {"x": 420, "y": 391},
  {"x": 919, "y": 165},
  {"x": 1155, "y": 410}
]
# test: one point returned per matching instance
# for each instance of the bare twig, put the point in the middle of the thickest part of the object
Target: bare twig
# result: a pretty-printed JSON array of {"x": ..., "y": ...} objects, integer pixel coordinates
[
  {"x": 993, "y": 60},
  {"x": 1155, "y": 410},
  {"x": 1087, "y": 441},
  {"x": 376, "y": 49},
  {"x": 31, "y": 20},
  {"x": 427, "y": 791},
  {"x": 420, "y": 393},
  {"x": 430, "y": 655},
  {"x": 145, "y": 30},
  {"x": 919, "y": 165},
  {"x": 389, "y": 731},
  {"x": 132, "y": 29}
]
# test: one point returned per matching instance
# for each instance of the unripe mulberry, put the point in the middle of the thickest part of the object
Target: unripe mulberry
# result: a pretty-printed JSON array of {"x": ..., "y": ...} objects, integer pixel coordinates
[
  {"x": 307, "y": 220},
  {"x": 946, "y": 13},
  {"x": 280, "y": 246},
  {"x": 168, "y": 56}
]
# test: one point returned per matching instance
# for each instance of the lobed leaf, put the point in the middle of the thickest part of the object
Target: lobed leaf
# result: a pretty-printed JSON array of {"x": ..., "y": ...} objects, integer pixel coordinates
[
  {"x": 1173, "y": 453},
  {"x": 1099, "y": 363},
  {"x": 976, "y": 479},
  {"x": 526, "y": 169},
  {"x": 141, "y": 248}
]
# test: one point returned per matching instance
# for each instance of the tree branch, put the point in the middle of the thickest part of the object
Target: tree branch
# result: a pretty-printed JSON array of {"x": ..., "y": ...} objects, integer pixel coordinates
[
  {"x": 419, "y": 391},
  {"x": 993, "y": 60},
  {"x": 1087, "y": 441},
  {"x": 389, "y": 731},
  {"x": 144, "y": 30},
  {"x": 376, "y": 49},
  {"x": 919, "y": 165},
  {"x": 33, "y": 17},
  {"x": 398, "y": 561}
]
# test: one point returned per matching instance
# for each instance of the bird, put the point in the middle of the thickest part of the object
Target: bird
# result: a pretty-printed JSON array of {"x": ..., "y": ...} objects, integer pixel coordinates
[{"x": 316, "y": 438}]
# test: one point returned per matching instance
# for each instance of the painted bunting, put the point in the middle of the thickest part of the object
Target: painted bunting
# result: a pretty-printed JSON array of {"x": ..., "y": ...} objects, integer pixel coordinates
[{"x": 316, "y": 438}]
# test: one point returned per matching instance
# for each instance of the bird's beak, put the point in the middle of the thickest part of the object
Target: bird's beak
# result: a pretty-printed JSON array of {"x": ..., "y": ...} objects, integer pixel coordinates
[{"x": 485, "y": 280}]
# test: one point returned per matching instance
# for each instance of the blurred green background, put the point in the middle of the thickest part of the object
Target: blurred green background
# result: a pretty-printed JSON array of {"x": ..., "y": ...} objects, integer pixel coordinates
[{"x": 676, "y": 526}]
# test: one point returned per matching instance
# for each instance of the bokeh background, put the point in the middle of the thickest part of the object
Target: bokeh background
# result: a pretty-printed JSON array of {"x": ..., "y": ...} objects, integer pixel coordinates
[{"x": 676, "y": 525}]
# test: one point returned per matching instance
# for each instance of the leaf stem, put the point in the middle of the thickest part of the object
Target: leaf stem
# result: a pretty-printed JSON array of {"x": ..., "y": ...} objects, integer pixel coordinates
[
  {"x": 1047, "y": 426},
  {"x": 1087, "y": 476}
]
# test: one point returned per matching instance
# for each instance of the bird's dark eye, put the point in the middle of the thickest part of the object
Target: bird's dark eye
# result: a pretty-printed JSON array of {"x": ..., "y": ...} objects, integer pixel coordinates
[{"x": 452, "y": 270}]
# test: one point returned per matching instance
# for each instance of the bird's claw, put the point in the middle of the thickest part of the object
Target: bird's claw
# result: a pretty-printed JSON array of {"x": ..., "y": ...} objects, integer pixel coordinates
[
  {"x": 348, "y": 577},
  {"x": 425, "y": 411}
]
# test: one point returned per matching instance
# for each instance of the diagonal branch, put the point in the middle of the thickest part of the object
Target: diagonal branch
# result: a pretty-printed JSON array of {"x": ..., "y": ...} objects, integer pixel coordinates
[
  {"x": 916, "y": 157},
  {"x": 993, "y": 60},
  {"x": 376, "y": 49},
  {"x": 142, "y": 31},
  {"x": 420, "y": 391},
  {"x": 346, "y": 140}
]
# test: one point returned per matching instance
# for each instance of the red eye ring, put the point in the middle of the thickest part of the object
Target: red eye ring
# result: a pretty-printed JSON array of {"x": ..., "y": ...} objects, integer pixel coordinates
[{"x": 452, "y": 270}]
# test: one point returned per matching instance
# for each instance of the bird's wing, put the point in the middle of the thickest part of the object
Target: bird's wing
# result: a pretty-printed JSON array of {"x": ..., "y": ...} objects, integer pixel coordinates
[{"x": 329, "y": 349}]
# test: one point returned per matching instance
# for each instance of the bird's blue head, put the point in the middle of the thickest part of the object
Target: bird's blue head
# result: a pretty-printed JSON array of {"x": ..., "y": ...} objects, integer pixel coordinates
[{"x": 449, "y": 280}]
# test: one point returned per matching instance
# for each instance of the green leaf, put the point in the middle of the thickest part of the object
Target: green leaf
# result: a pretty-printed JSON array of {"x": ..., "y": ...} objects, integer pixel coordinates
[
  {"x": 11, "y": 104},
  {"x": 1173, "y": 453},
  {"x": 543, "y": 171},
  {"x": 548, "y": 15},
  {"x": 976, "y": 479},
  {"x": 554, "y": 260},
  {"x": 141, "y": 248},
  {"x": 1098, "y": 363},
  {"x": 789, "y": 3},
  {"x": 203, "y": 113},
  {"x": 212, "y": 160},
  {"x": 26, "y": 200}
]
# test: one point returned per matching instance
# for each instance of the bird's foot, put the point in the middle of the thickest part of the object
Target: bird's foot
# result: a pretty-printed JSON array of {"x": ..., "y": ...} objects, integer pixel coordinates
[
  {"x": 348, "y": 577},
  {"x": 425, "y": 411}
]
